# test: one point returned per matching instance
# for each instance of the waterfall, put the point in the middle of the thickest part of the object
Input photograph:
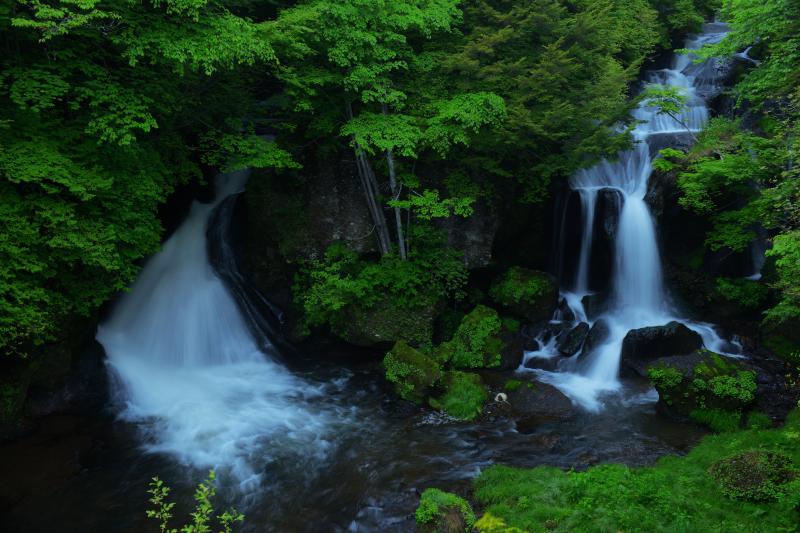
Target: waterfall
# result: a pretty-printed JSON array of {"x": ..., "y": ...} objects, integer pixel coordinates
[
  {"x": 185, "y": 366},
  {"x": 637, "y": 296}
]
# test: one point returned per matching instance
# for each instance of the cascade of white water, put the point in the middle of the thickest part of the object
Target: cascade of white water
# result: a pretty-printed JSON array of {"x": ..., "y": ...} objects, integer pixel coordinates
[
  {"x": 185, "y": 366},
  {"x": 638, "y": 298}
]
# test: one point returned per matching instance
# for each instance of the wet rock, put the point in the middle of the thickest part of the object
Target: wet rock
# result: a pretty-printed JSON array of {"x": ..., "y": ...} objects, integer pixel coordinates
[
  {"x": 659, "y": 341},
  {"x": 597, "y": 335},
  {"x": 528, "y": 294},
  {"x": 594, "y": 304},
  {"x": 543, "y": 363},
  {"x": 537, "y": 400},
  {"x": 571, "y": 342},
  {"x": 512, "y": 353},
  {"x": 564, "y": 312}
]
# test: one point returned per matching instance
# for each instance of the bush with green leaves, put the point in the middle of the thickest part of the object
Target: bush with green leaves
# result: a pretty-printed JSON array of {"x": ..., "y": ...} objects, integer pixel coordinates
[
  {"x": 325, "y": 288},
  {"x": 203, "y": 516},
  {"x": 443, "y": 511},
  {"x": 527, "y": 293}
]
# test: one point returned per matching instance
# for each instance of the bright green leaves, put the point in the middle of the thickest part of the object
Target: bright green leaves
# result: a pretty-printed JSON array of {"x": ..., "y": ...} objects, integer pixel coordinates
[
  {"x": 61, "y": 16},
  {"x": 216, "y": 41},
  {"x": 457, "y": 119},
  {"x": 36, "y": 89},
  {"x": 427, "y": 205},
  {"x": 667, "y": 100},
  {"x": 377, "y": 133},
  {"x": 786, "y": 251},
  {"x": 117, "y": 113},
  {"x": 236, "y": 151}
]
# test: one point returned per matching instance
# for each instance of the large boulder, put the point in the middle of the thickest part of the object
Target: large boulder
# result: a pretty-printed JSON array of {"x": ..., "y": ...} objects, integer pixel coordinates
[
  {"x": 528, "y": 294},
  {"x": 464, "y": 395},
  {"x": 477, "y": 343},
  {"x": 570, "y": 342},
  {"x": 702, "y": 384},
  {"x": 537, "y": 400},
  {"x": 651, "y": 343},
  {"x": 599, "y": 333},
  {"x": 411, "y": 372}
]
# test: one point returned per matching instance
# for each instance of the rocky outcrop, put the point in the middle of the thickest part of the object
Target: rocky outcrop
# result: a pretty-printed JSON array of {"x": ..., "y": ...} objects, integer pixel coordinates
[
  {"x": 383, "y": 323},
  {"x": 597, "y": 335},
  {"x": 570, "y": 342},
  {"x": 537, "y": 400},
  {"x": 651, "y": 343}
]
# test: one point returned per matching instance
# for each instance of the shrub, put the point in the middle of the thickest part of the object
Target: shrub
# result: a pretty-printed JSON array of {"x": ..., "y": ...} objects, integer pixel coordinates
[
  {"x": 754, "y": 475},
  {"x": 527, "y": 293},
  {"x": 436, "y": 508},
  {"x": 203, "y": 515},
  {"x": 464, "y": 396}
]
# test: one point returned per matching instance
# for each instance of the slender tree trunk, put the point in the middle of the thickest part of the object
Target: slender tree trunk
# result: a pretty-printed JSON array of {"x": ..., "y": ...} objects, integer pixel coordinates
[
  {"x": 401, "y": 242},
  {"x": 370, "y": 187}
]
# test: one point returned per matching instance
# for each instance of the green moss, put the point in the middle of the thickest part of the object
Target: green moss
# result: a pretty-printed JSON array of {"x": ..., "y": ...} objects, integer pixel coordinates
[
  {"x": 12, "y": 398},
  {"x": 527, "y": 293},
  {"x": 464, "y": 396},
  {"x": 512, "y": 384},
  {"x": 412, "y": 372},
  {"x": 434, "y": 507},
  {"x": 665, "y": 377},
  {"x": 386, "y": 322},
  {"x": 678, "y": 494},
  {"x": 718, "y": 420},
  {"x": 739, "y": 388},
  {"x": 754, "y": 475},
  {"x": 476, "y": 343},
  {"x": 511, "y": 324}
]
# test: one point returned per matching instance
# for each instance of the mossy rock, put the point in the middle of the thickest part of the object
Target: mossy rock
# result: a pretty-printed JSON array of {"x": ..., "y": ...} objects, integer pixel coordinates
[
  {"x": 443, "y": 512},
  {"x": 703, "y": 384},
  {"x": 755, "y": 475},
  {"x": 384, "y": 323},
  {"x": 412, "y": 373},
  {"x": 464, "y": 395},
  {"x": 529, "y": 294},
  {"x": 477, "y": 343}
]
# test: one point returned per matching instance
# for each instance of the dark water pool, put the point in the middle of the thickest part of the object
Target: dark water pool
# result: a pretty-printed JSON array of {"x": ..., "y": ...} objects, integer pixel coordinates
[{"x": 88, "y": 472}]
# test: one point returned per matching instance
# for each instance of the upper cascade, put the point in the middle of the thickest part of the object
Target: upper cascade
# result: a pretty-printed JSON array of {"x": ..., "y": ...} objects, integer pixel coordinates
[{"x": 637, "y": 298}]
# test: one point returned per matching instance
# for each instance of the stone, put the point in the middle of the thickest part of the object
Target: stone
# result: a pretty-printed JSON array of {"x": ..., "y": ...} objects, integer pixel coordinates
[
  {"x": 534, "y": 399},
  {"x": 411, "y": 372},
  {"x": 570, "y": 343},
  {"x": 651, "y": 343},
  {"x": 382, "y": 324},
  {"x": 597, "y": 335}
]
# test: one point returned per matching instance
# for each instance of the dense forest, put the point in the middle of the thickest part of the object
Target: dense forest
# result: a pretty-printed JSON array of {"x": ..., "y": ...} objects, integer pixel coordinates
[{"x": 505, "y": 216}]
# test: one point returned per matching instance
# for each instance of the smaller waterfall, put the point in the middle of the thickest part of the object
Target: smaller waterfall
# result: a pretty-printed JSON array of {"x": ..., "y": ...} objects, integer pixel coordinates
[
  {"x": 187, "y": 369},
  {"x": 637, "y": 297}
]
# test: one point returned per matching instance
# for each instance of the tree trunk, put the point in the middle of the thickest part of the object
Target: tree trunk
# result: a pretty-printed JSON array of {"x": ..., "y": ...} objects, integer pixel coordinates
[
  {"x": 369, "y": 185},
  {"x": 401, "y": 242}
]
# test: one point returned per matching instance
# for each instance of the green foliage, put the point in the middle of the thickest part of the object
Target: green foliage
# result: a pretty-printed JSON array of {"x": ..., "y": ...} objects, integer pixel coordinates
[
  {"x": 517, "y": 285},
  {"x": 746, "y": 293},
  {"x": 203, "y": 515},
  {"x": 665, "y": 377},
  {"x": 758, "y": 420},
  {"x": 786, "y": 251},
  {"x": 324, "y": 288},
  {"x": 464, "y": 396},
  {"x": 101, "y": 109},
  {"x": 434, "y": 504},
  {"x": 677, "y": 494},
  {"x": 411, "y": 372},
  {"x": 668, "y": 159},
  {"x": 740, "y": 388},
  {"x": 756, "y": 476},
  {"x": 476, "y": 343}
]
